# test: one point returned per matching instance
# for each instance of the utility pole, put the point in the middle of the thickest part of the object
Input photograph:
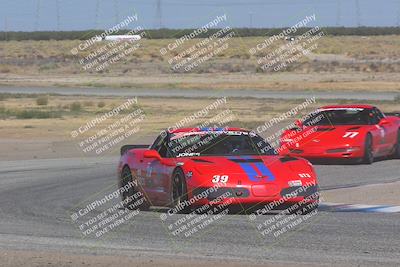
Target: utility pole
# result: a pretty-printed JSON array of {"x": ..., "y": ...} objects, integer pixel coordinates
[
  {"x": 338, "y": 12},
  {"x": 250, "y": 19},
  {"x": 158, "y": 15},
  {"x": 116, "y": 8},
  {"x": 5, "y": 28},
  {"x": 96, "y": 23},
  {"x": 398, "y": 16},
  {"x": 358, "y": 15},
  {"x": 58, "y": 14},
  {"x": 37, "y": 15}
]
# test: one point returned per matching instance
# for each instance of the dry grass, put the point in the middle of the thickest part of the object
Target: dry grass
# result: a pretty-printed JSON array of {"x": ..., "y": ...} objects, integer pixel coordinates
[
  {"x": 160, "y": 114},
  {"x": 338, "y": 63}
]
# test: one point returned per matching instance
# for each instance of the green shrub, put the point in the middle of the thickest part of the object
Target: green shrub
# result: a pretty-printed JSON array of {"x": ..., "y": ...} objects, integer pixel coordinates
[
  {"x": 48, "y": 66},
  {"x": 76, "y": 106},
  {"x": 42, "y": 100},
  {"x": 101, "y": 104},
  {"x": 35, "y": 114},
  {"x": 3, "y": 113},
  {"x": 177, "y": 33},
  {"x": 28, "y": 114},
  {"x": 88, "y": 103},
  {"x": 4, "y": 69}
]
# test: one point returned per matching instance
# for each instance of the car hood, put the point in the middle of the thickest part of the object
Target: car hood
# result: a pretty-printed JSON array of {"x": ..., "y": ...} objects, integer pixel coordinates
[{"x": 326, "y": 135}]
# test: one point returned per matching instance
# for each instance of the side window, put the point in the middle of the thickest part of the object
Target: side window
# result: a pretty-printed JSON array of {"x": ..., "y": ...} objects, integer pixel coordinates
[
  {"x": 160, "y": 145},
  {"x": 157, "y": 143},
  {"x": 373, "y": 117},
  {"x": 162, "y": 150},
  {"x": 379, "y": 114},
  {"x": 263, "y": 146}
]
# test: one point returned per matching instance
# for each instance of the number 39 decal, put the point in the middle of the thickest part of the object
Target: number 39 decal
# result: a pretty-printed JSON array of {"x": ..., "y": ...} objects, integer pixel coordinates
[{"x": 220, "y": 179}]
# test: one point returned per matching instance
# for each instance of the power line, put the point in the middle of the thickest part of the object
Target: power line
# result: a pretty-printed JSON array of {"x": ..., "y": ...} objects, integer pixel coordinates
[{"x": 238, "y": 3}]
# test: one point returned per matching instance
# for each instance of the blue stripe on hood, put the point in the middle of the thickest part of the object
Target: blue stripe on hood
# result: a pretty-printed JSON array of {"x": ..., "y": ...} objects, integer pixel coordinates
[{"x": 251, "y": 172}]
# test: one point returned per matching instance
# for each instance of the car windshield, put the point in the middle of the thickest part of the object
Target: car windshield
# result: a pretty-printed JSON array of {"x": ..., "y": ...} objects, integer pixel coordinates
[
  {"x": 340, "y": 116},
  {"x": 228, "y": 143}
]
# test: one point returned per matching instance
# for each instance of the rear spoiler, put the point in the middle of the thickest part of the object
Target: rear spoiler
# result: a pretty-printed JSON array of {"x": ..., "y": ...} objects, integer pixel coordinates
[
  {"x": 129, "y": 147},
  {"x": 396, "y": 114}
]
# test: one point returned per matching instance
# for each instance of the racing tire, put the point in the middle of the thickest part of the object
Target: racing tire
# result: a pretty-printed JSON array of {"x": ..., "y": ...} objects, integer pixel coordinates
[
  {"x": 132, "y": 199},
  {"x": 179, "y": 192},
  {"x": 368, "y": 153}
]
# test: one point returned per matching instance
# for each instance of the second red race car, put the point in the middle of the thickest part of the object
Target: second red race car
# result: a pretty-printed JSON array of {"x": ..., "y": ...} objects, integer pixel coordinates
[
  {"x": 358, "y": 132},
  {"x": 189, "y": 168}
]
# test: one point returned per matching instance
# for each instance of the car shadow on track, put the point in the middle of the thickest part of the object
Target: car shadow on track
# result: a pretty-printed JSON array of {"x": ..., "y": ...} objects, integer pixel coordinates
[
  {"x": 339, "y": 208},
  {"x": 235, "y": 210}
]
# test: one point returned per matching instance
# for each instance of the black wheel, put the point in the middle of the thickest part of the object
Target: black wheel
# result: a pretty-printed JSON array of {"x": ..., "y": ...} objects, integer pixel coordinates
[
  {"x": 396, "y": 153},
  {"x": 368, "y": 154},
  {"x": 132, "y": 198},
  {"x": 179, "y": 192}
]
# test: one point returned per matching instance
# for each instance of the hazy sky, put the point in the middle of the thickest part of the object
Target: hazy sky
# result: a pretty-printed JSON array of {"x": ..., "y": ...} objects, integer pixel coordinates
[{"x": 30, "y": 15}]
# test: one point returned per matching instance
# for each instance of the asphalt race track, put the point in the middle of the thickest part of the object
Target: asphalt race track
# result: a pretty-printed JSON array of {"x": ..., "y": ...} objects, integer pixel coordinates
[{"x": 38, "y": 196}]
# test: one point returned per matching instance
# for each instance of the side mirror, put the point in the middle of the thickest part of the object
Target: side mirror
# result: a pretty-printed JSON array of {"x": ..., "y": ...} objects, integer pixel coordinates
[
  {"x": 152, "y": 154},
  {"x": 299, "y": 124},
  {"x": 384, "y": 121}
]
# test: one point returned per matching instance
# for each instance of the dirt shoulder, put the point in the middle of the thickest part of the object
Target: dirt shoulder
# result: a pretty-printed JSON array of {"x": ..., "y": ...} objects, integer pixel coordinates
[
  {"x": 19, "y": 258},
  {"x": 357, "y": 81},
  {"x": 374, "y": 194}
]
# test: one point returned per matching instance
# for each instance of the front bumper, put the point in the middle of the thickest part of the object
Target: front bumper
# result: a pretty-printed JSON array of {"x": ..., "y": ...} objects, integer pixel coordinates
[
  {"x": 248, "y": 196},
  {"x": 337, "y": 152}
]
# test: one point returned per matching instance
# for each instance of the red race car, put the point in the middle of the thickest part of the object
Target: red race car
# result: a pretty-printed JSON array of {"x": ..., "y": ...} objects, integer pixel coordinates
[
  {"x": 359, "y": 132},
  {"x": 188, "y": 168}
]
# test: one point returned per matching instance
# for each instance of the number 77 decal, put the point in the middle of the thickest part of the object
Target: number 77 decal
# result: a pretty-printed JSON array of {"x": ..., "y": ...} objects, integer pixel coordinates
[{"x": 350, "y": 134}]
